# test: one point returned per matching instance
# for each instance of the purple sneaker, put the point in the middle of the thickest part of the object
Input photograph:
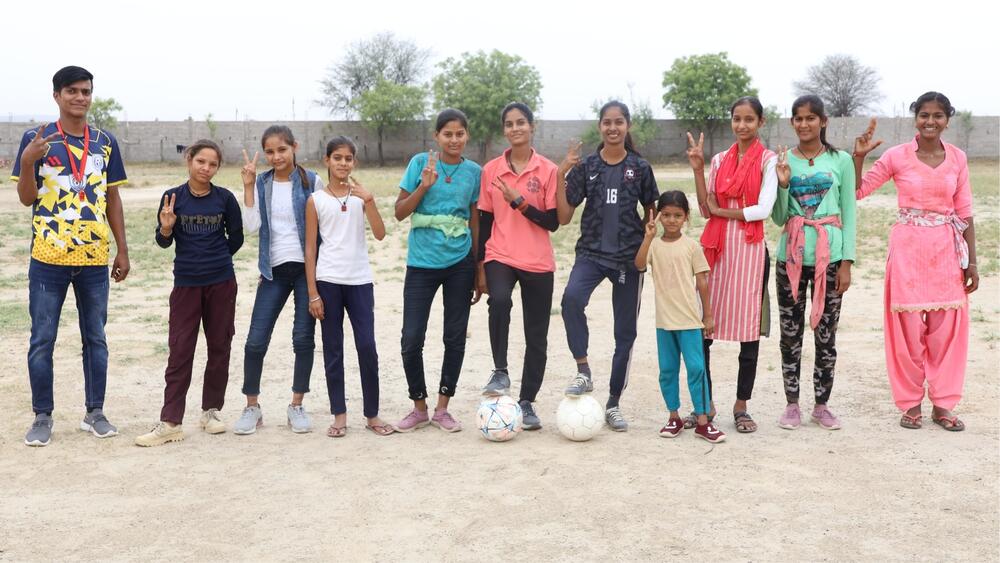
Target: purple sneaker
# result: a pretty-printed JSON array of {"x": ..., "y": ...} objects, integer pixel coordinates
[
  {"x": 443, "y": 420},
  {"x": 826, "y": 419},
  {"x": 791, "y": 418},
  {"x": 416, "y": 419}
]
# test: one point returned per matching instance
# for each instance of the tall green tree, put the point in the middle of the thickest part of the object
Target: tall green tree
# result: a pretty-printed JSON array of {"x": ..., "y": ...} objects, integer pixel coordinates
[
  {"x": 387, "y": 106},
  {"x": 102, "y": 113},
  {"x": 699, "y": 89},
  {"x": 481, "y": 84},
  {"x": 365, "y": 64}
]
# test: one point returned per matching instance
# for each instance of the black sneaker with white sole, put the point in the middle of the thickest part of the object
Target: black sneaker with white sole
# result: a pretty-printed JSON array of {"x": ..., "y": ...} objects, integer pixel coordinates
[
  {"x": 498, "y": 385},
  {"x": 529, "y": 420}
]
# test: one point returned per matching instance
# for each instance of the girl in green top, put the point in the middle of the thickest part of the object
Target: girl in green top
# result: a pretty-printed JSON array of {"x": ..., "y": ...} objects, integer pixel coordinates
[{"x": 816, "y": 205}]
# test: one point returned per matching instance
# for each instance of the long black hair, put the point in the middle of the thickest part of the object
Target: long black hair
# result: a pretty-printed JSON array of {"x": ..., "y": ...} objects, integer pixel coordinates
[
  {"x": 629, "y": 145},
  {"x": 816, "y": 106},
  {"x": 286, "y": 135}
]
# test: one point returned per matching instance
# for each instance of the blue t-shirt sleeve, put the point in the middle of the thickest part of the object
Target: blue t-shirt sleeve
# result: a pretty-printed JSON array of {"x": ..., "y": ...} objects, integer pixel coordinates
[
  {"x": 650, "y": 192},
  {"x": 411, "y": 178},
  {"x": 116, "y": 167},
  {"x": 576, "y": 184},
  {"x": 15, "y": 173}
]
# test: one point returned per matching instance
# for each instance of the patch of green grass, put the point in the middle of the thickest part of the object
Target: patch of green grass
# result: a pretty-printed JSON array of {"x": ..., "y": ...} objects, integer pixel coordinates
[{"x": 14, "y": 318}]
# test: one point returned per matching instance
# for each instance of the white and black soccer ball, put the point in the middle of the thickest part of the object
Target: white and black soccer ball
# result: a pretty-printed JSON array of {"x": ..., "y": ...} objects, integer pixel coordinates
[
  {"x": 579, "y": 418},
  {"x": 500, "y": 419}
]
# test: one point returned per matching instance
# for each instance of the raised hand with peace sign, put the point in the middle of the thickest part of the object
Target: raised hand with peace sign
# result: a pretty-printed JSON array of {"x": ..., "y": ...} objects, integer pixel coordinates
[
  {"x": 696, "y": 152},
  {"x": 429, "y": 175},
  {"x": 863, "y": 144},
  {"x": 783, "y": 170},
  {"x": 167, "y": 216},
  {"x": 573, "y": 157},
  {"x": 249, "y": 171},
  {"x": 38, "y": 146}
]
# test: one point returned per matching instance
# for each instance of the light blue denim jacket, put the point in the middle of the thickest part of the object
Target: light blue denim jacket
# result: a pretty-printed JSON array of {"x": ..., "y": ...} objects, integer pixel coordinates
[{"x": 265, "y": 184}]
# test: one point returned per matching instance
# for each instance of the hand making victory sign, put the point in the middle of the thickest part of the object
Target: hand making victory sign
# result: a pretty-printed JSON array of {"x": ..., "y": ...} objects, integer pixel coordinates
[
  {"x": 783, "y": 170},
  {"x": 249, "y": 170},
  {"x": 167, "y": 216},
  {"x": 863, "y": 144},
  {"x": 429, "y": 175},
  {"x": 509, "y": 193},
  {"x": 38, "y": 146},
  {"x": 696, "y": 158}
]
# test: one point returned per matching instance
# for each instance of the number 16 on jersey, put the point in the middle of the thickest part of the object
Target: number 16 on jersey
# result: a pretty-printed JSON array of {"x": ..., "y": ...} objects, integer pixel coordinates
[{"x": 612, "y": 195}]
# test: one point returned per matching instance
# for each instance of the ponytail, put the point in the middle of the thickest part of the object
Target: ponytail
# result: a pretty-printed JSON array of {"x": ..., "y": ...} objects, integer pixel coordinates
[{"x": 629, "y": 144}]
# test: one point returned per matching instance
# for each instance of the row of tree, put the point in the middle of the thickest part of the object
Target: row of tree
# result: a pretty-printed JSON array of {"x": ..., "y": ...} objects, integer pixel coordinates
[{"x": 379, "y": 82}]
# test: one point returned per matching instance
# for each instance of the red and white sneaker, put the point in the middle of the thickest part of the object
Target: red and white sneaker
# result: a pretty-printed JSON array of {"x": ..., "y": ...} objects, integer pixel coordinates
[
  {"x": 710, "y": 433},
  {"x": 672, "y": 429}
]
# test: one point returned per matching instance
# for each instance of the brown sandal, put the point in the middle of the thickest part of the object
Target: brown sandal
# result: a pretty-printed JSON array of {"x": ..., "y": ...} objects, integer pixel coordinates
[
  {"x": 745, "y": 424},
  {"x": 949, "y": 423},
  {"x": 336, "y": 431},
  {"x": 911, "y": 421},
  {"x": 381, "y": 429}
]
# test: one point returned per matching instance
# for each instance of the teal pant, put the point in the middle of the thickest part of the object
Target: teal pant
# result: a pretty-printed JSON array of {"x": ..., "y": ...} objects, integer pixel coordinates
[{"x": 671, "y": 345}]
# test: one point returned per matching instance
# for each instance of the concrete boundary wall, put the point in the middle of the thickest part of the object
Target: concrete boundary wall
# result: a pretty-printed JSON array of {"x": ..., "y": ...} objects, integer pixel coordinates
[{"x": 157, "y": 141}]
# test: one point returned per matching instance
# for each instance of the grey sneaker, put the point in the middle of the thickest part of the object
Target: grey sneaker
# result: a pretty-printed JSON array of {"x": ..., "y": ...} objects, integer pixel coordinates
[
  {"x": 97, "y": 424},
  {"x": 298, "y": 420},
  {"x": 249, "y": 421},
  {"x": 499, "y": 384},
  {"x": 581, "y": 384},
  {"x": 40, "y": 432},
  {"x": 615, "y": 420},
  {"x": 530, "y": 420}
]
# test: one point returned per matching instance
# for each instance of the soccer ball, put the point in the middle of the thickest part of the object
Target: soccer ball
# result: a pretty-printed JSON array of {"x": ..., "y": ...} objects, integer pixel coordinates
[
  {"x": 500, "y": 418},
  {"x": 579, "y": 418}
]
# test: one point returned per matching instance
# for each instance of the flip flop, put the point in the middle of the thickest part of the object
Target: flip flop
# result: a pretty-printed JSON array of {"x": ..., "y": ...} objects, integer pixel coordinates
[
  {"x": 691, "y": 420},
  {"x": 741, "y": 419},
  {"x": 911, "y": 421},
  {"x": 381, "y": 429},
  {"x": 336, "y": 431},
  {"x": 949, "y": 423}
]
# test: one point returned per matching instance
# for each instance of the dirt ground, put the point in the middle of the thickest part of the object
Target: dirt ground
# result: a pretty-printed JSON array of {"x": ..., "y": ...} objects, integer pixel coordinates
[{"x": 872, "y": 491}]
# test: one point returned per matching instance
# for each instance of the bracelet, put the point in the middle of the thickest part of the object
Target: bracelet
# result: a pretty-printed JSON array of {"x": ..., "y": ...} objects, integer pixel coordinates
[
  {"x": 517, "y": 202},
  {"x": 971, "y": 265},
  {"x": 315, "y": 299}
]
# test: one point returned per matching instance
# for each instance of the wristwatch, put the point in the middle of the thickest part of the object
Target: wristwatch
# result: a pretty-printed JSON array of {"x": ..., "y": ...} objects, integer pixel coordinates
[{"x": 517, "y": 202}]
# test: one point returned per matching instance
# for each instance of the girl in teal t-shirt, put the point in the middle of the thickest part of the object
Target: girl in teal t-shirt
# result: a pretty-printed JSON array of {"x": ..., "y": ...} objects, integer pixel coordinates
[{"x": 439, "y": 193}]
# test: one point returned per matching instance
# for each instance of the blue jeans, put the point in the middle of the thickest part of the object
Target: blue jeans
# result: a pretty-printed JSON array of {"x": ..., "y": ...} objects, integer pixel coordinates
[
  {"x": 47, "y": 286},
  {"x": 359, "y": 303},
  {"x": 289, "y": 278}
]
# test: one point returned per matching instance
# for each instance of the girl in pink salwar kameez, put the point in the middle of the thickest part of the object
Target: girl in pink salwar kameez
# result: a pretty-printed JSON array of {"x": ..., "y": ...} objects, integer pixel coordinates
[{"x": 931, "y": 267}]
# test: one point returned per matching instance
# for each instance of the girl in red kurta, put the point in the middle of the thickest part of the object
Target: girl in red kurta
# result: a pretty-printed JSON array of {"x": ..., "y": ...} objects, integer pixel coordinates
[{"x": 931, "y": 267}]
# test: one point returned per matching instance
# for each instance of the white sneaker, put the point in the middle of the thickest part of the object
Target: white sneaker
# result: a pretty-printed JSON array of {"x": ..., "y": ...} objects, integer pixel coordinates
[
  {"x": 249, "y": 421},
  {"x": 298, "y": 420},
  {"x": 211, "y": 423},
  {"x": 160, "y": 434}
]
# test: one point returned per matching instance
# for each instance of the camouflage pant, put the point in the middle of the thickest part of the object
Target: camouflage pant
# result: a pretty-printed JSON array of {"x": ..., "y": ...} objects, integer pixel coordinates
[{"x": 792, "y": 317}]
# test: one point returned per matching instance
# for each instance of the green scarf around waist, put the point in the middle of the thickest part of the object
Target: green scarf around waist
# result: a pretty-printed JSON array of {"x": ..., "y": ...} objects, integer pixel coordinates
[{"x": 450, "y": 225}]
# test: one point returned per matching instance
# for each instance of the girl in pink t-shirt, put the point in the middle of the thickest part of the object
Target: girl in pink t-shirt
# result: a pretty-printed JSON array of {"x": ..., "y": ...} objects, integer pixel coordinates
[{"x": 517, "y": 211}]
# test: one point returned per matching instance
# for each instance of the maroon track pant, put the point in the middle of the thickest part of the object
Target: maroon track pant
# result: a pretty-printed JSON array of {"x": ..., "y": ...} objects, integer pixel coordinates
[{"x": 214, "y": 307}]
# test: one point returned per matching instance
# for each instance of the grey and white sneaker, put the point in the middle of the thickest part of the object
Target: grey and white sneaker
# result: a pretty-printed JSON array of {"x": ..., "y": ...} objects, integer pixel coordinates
[
  {"x": 249, "y": 421},
  {"x": 529, "y": 420},
  {"x": 615, "y": 419},
  {"x": 97, "y": 424},
  {"x": 40, "y": 432},
  {"x": 298, "y": 420},
  {"x": 498, "y": 385},
  {"x": 581, "y": 384}
]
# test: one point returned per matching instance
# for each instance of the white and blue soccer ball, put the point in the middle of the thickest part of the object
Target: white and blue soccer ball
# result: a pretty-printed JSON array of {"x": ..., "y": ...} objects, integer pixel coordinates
[
  {"x": 500, "y": 418},
  {"x": 579, "y": 418}
]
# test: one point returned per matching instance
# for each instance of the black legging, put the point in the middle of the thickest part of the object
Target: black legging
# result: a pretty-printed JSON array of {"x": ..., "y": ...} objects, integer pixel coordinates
[{"x": 748, "y": 354}]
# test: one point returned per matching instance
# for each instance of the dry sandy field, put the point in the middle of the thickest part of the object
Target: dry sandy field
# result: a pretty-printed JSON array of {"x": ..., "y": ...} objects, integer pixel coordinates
[{"x": 872, "y": 491}]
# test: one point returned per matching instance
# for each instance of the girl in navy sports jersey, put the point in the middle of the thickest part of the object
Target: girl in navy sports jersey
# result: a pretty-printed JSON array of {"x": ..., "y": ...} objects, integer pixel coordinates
[{"x": 615, "y": 181}]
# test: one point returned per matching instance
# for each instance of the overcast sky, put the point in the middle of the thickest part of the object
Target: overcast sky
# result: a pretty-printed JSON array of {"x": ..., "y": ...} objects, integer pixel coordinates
[{"x": 169, "y": 60}]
